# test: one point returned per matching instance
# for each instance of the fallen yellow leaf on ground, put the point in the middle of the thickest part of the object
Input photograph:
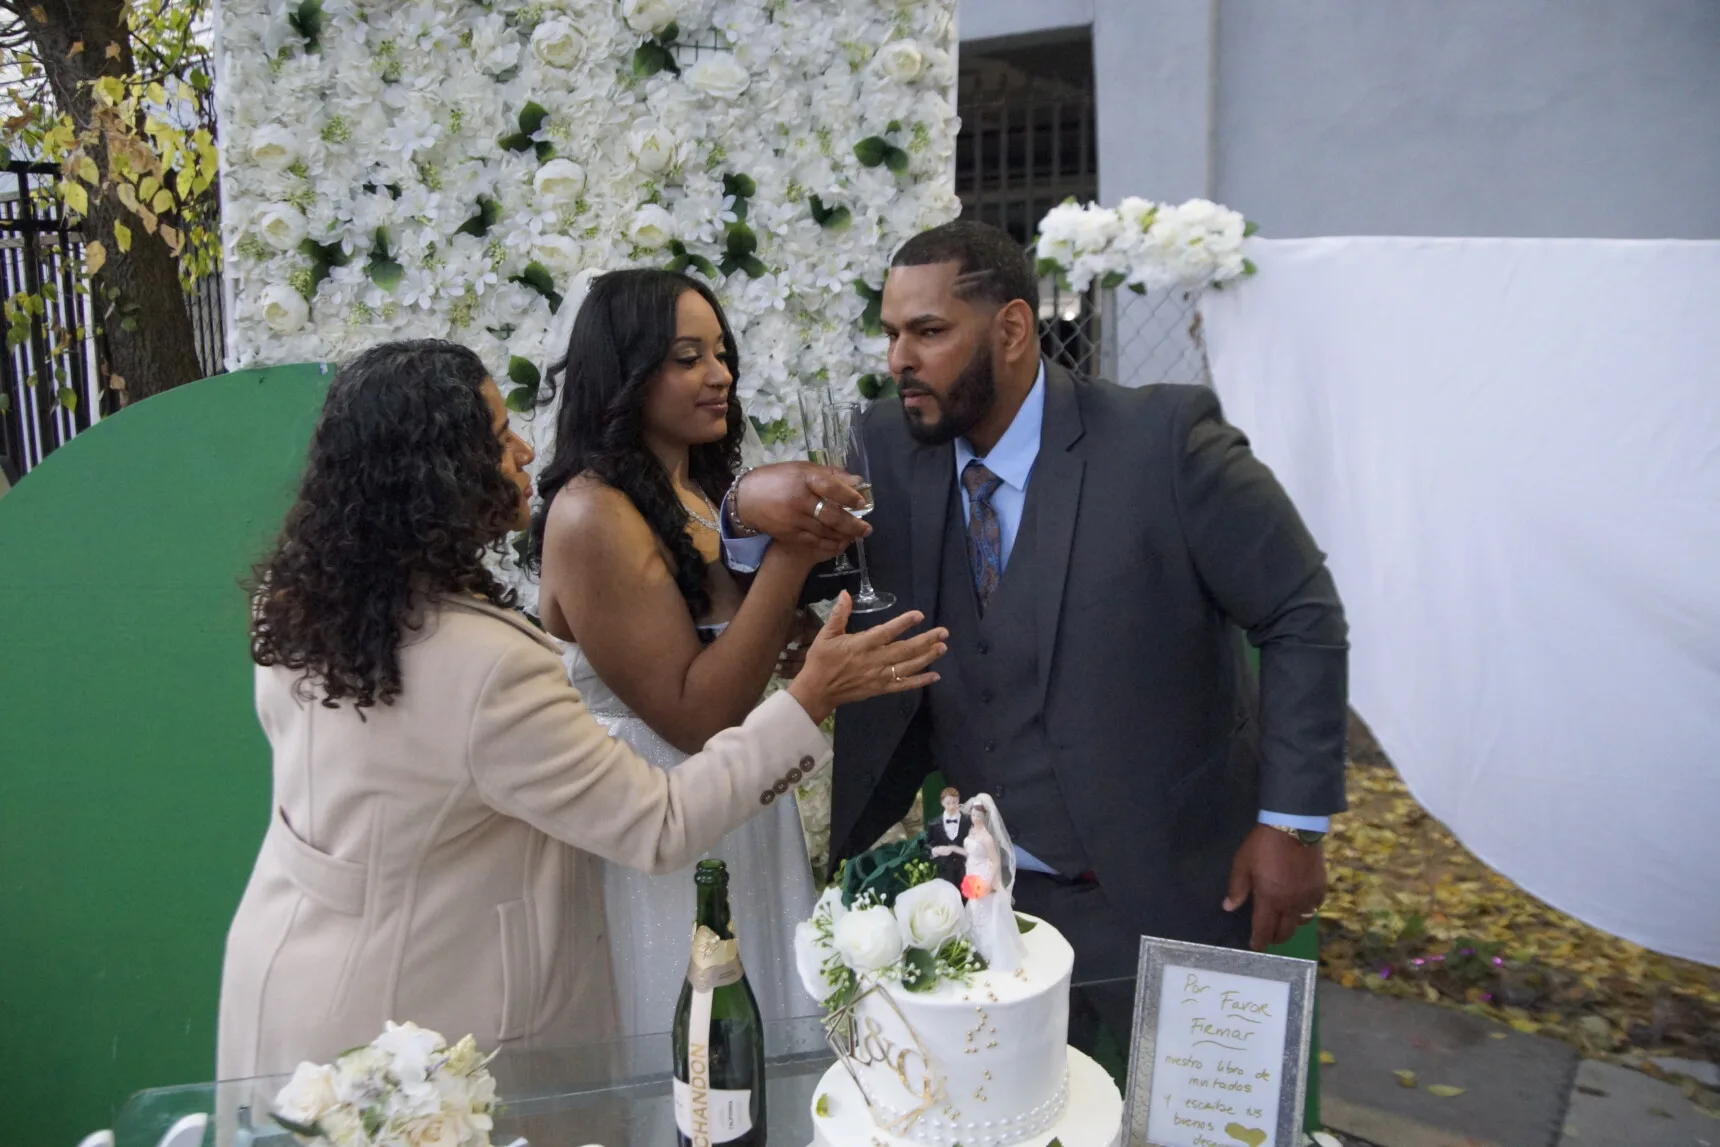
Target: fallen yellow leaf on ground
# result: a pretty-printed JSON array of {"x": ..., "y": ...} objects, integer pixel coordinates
[{"x": 1444, "y": 1090}]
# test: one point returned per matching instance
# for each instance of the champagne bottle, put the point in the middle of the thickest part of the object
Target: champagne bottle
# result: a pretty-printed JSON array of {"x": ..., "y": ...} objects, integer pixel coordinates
[{"x": 719, "y": 1036}]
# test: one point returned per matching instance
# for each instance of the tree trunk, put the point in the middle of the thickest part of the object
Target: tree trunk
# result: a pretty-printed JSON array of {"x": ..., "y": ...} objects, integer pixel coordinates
[{"x": 137, "y": 297}]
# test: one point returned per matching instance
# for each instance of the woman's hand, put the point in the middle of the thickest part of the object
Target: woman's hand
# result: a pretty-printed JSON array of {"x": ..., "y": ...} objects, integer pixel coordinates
[
  {"x": 843, "y": 667},
  {"x": 801, "y": 504}
]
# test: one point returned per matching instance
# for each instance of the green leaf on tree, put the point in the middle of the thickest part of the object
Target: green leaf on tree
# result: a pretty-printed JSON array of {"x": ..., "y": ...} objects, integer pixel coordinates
[
  {"x": 872, "y": 151},
  {"x": 68, "y": 398}
]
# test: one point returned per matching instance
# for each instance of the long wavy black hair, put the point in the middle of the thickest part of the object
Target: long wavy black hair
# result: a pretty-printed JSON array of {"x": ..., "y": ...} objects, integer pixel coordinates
[
  {"x": 620, "y": 338},
  {"x": 402, "y": 495}
]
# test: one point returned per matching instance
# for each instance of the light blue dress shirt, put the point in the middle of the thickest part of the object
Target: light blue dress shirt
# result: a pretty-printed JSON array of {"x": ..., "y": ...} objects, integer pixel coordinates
[{"x": 1012, "y": 461}]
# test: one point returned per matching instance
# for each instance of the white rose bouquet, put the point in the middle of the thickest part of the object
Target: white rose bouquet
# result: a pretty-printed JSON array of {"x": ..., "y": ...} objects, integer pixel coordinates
[
  {"x": 901, "y": 923},
  {"x": 1144, "y": 245},
  {"x": 406, "y": 1088}
]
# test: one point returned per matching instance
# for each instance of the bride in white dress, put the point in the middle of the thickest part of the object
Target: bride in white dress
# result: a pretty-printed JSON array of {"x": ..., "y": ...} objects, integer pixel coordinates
[
  {"x": 663, "y": 643},
  {"x": 990, "y": 888}
]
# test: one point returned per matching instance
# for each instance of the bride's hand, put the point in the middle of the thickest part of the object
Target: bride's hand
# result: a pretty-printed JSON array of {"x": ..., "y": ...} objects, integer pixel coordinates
[{"x": 843, "y": 667}]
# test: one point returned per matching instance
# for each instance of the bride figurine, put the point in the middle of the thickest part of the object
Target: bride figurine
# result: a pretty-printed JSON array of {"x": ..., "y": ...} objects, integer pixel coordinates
[{"x": 988, "y": 887}]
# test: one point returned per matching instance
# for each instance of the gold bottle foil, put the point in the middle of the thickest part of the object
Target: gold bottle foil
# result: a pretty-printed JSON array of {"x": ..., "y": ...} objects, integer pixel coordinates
[{"x": 715, "y": 963}]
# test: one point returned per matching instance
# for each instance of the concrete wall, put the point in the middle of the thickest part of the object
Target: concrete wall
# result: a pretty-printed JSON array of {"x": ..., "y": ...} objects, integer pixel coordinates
[{"x": 1433, "y": 117}]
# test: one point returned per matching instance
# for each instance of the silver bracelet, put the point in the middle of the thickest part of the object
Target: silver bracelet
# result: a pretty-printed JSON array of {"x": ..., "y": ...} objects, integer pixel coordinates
[{"x": 731, "y": 515}]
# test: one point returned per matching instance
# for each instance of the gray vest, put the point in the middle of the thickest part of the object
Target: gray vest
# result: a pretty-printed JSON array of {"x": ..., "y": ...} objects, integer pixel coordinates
[{"x": 987, "y": 731}]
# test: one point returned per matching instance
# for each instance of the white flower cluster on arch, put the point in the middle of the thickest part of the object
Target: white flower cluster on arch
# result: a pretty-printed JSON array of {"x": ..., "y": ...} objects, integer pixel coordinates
[{"x": 453, "y": 168}]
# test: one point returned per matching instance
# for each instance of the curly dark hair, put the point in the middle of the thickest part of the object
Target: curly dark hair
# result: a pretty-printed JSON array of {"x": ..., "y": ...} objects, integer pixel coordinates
[
  {"x": 620, "y": 338},
  {"x": 401, "y": 497}
]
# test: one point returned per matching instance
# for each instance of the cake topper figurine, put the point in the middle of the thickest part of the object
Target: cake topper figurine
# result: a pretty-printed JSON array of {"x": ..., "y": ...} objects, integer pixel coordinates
[
  {"x": 948, "y": 836},
  {"x": 988, "y": 883}
]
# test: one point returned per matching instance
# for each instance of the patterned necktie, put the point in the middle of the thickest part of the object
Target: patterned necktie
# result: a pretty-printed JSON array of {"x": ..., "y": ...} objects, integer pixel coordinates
[{"x": 984, "y": 536}]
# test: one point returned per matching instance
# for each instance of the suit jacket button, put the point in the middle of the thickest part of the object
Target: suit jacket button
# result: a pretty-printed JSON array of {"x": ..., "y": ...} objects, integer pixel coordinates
[
  {"x": 984, "y": 648},
  {"x": 766, "y": 797},
  {"x": 806, "y": 765},
  {"x": 991, "y": 746},
  {"x": 794, "y": 776},
  {"x": 780, "y": 787}
]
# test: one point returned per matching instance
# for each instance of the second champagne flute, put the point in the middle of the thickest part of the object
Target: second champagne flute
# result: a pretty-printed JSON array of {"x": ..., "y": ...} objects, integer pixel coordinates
[
  {"x": 847, "y": 442},
  {"x": 814, "y": 402}
]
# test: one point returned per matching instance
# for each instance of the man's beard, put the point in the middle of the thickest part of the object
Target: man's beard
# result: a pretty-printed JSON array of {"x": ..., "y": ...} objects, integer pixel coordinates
[{"x": 969, "y": 400}]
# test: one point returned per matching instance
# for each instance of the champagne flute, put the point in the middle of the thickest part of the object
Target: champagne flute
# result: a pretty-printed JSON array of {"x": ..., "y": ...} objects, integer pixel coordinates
[
  {"x": 846, "y": 440},
  {"x": 813, "y": 403}
]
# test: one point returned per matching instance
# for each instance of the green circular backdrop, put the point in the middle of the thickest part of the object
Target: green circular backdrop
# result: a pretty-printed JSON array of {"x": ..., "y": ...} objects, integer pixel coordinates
[{"x": 134, "y": 779}]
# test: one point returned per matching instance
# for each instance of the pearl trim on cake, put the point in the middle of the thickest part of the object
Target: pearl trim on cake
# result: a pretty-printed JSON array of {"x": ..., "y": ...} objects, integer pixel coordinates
[{"x": 938, "y": 1131}]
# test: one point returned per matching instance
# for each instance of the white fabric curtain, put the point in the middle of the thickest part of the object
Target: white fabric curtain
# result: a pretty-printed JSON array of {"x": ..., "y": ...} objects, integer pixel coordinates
[{"x": 1510, "y": 449}]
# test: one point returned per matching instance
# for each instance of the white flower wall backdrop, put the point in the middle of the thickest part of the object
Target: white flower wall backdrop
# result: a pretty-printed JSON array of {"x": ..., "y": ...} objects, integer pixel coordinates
[{"x": 455, "y": 169}]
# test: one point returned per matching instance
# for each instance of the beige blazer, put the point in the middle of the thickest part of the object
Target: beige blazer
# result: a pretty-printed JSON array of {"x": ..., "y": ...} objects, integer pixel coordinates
[{"x": 435, "y": 861}]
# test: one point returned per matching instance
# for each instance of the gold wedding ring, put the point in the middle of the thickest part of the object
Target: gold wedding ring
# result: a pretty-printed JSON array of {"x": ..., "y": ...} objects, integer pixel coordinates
[{"x": 894, "y": 676}]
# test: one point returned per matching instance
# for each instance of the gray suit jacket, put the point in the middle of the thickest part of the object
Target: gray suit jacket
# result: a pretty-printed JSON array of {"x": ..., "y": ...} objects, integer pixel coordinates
[{"x": 1158, "y": 534}]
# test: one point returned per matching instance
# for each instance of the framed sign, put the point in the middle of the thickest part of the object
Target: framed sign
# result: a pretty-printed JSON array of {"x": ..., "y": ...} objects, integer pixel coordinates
[{"x": 1220, "y": 1050}]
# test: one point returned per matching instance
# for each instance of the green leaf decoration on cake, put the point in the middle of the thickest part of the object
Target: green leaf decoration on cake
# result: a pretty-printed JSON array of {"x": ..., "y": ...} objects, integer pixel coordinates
[
  {"x": 919, "y": 970},
  {"x": 820, "y": 1109},
  {"x": 884, "y": 871},
  {"x": 1024, "y": 925}
]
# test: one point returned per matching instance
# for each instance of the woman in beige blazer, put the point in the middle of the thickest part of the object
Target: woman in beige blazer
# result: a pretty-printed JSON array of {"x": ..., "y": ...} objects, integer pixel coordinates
[{"x": 440, "y": 792}]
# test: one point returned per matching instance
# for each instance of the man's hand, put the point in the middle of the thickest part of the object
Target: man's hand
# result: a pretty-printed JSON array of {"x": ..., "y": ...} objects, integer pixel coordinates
[
  {"x": 1285, "y": 879},
  {"x": 942, "y": 850},
  {"x": 780, "y": 500}
]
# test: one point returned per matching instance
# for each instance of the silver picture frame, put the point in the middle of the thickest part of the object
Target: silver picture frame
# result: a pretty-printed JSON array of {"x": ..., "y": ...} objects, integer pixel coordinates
[{"x": 1299, "y": 975}]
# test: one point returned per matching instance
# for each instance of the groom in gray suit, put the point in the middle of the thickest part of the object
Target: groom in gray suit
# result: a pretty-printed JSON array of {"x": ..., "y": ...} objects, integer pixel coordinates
[{"x": 1093, "y": 551}]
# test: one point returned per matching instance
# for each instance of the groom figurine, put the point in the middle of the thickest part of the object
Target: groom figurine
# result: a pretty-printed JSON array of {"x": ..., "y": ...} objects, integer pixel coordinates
[
  {"x": 947, "y": 836},
  {"x": 1094, "y": 552}
]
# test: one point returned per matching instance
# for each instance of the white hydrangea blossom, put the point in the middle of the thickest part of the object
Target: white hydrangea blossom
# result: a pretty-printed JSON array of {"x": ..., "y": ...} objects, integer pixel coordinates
[{"x": 387, "y": 180}]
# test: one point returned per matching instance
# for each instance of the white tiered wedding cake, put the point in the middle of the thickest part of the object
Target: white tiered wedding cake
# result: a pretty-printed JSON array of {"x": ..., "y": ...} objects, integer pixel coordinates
[{"x": 950, "y": 1029}]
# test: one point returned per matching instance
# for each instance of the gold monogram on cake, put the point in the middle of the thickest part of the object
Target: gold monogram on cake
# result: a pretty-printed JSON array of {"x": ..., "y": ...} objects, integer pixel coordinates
[{"x": 866, "y": 1049}]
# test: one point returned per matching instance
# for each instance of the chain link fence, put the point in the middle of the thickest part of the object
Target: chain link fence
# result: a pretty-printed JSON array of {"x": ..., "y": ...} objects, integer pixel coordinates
[{"x": 1129, "y": 338}]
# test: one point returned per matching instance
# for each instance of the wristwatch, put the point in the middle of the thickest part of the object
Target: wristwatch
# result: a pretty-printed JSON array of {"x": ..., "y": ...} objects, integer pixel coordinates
[{"x": 1304, "y": 836}]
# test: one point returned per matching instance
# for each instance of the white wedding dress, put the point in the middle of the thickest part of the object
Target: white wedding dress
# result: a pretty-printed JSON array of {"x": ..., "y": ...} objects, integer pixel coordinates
[{"x": 650, "y": 918}]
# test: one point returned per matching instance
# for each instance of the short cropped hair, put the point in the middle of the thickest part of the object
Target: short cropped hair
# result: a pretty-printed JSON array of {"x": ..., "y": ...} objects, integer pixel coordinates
[
  {"x": 949, "y": 793},
  {"x": 990, "y": 264}
]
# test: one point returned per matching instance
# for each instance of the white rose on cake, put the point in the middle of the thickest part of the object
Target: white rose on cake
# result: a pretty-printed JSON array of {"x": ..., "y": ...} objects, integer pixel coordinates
[
  {"x": 720, "y": 75},
  {"x": 930, "y": 913},
  {"x": 868, "y": 939},
  {"x": 557, "y": 43},
  {"x": 812, "y": 952}
]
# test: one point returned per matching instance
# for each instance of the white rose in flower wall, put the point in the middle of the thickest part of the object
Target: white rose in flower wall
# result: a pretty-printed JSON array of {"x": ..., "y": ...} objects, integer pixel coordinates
[
  {"x": 647, "y": 17},
  {"x": 900, "y": 60},
  {"x": 653, "y": 147},
  {"x": 719, "y": 75},
  {"x": 273, "y": 147},
  {"x": 868, "y": 939},
  {"x": 559, "y": 255},
  {"x": 557, "y": 43},
  {"x": 930, "y": 914},
  {"x": 652, "y": 227},
  {"x": 281, "y": 225},
  {"x": 283, "y": 309},
  {"x": 560, "y": 181}
]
